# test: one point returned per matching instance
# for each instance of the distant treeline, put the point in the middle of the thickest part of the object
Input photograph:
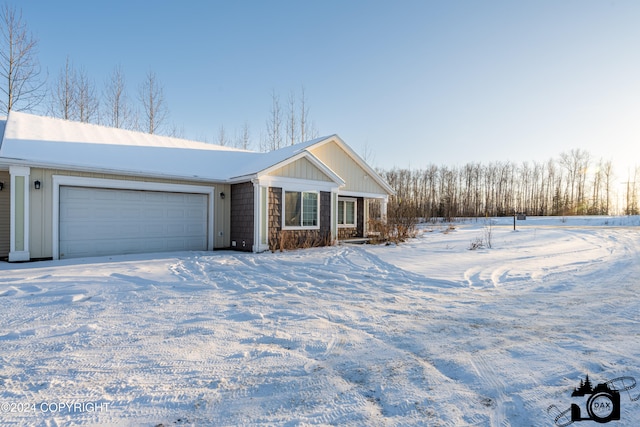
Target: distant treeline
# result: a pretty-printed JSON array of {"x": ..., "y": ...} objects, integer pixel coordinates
[{"x": 572, "y": 184}]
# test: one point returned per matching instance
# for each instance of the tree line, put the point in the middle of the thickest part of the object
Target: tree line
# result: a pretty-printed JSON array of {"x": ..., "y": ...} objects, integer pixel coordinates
[{"x": 572, "y": 184}]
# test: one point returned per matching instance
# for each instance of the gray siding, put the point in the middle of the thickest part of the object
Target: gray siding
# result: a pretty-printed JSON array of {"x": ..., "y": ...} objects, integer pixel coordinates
[{"x": 242, "y": 216}]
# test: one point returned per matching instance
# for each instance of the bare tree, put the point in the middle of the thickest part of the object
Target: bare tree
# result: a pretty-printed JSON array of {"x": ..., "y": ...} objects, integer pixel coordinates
[
  {"x": 154, "y": 108},
  {"x": 86, "y": 99},
  {"x": 367, "y": 153},
  {"x": 20, "y": 71},
  {"x": 63, "y": 95},
  {"x": 307, "y": 127},
  {"x": 296, "y": 126},
  {"x": 608, "y": 178},
  {"x": 222, "y": 136},
  {"x": 274, "y": 124},
  {"x": 576, "y": 162},
  {"x": 117, "y": 111},
  {"x": 292, "y": 123},
  {"x": 176, "y": 131},
  {"x": 304, "y": 115},
  {"x": 244, "y": 139}
]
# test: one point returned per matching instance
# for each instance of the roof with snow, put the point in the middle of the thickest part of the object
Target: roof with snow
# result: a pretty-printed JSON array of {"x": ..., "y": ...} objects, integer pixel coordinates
[{"x": 55, "y": 143}]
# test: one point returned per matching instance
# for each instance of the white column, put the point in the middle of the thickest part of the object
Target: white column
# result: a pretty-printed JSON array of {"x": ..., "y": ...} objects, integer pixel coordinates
[
  {"x": 383, "y": 209},
  {"x": 19, "y": 241}
]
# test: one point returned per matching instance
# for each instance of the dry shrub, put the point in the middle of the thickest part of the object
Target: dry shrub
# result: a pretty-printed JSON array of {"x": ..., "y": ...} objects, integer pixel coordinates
[
  {"x": 451, "y": 227},
  {"x": 395, "y": 232},
  {"x": 299, "y": 239}
]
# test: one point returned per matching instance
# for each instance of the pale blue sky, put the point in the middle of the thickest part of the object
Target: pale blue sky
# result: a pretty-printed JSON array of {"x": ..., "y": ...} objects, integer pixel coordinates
[{"x": 419, "y": 82}]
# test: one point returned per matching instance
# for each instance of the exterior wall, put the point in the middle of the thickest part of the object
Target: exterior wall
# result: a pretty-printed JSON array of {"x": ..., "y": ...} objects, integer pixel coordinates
[
  {"x": 242, "y": 216},
  {"x": 5, "y": 214},
  {"x": 41, "y": 204},
  {"x": 292, "y": 239},
  {"x": 301, "y": 169},
  {"x": 357, "y": 231},
  {"x": 357, "y": 179}
]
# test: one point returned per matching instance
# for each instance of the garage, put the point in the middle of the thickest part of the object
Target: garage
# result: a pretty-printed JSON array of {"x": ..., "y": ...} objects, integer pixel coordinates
[{"x": 103, "y": 221}]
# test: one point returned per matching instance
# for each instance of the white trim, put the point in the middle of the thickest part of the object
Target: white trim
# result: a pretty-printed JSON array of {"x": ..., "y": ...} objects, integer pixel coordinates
[
  {"x": 295, "y": 184},
  {"x": 20, "y": 170},
  {"x": 284, "y": 209},
  {"x": 17, "y": 256},
  {"x": 75, "y": 181},
  {"x": 110, "y": 171},
  {"x": 258, "y": 225},
  {"x": 256, "y": 217},
  {"x": 365, "y": 195},
  {"x": 264, "y": 219},
  {"x": 334, "y": 215},
  {"x": 23, "y": 255},
  {"x": 365, "y": 223},
  {"x": 355, "y": 212}
]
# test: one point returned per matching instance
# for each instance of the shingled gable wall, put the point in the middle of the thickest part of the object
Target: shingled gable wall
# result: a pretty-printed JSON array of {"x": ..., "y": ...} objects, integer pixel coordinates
[
  {"x": 293, "y": 239},
  {"x": 242, "y": 216}
]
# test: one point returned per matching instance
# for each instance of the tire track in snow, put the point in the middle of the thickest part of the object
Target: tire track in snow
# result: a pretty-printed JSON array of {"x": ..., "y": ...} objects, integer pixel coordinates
[{"x": 482, "y": 365}]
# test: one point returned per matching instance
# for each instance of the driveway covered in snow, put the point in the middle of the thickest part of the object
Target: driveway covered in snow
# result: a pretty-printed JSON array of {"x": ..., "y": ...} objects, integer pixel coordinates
[{"x": 425, "y": 333}]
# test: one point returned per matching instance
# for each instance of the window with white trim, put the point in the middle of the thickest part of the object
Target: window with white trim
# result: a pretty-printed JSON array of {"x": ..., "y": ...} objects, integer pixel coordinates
[
  {"x": 347, "y": 212},
  {"x": 301, "y": 209}
]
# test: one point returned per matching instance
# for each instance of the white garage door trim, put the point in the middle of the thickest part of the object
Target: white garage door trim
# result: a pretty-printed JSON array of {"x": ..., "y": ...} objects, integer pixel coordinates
[{"x": 74, "y": 181}]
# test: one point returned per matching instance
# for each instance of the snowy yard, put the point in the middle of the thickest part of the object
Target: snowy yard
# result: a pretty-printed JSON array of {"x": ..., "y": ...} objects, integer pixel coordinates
[{"x": 425, "y": 333}]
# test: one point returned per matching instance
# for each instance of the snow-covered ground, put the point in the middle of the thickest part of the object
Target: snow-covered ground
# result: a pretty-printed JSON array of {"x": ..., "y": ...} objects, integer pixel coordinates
[{"x": 428, "y": 332}]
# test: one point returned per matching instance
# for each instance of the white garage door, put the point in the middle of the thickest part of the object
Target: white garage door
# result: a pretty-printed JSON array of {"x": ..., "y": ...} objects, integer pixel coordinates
[{"x": 98, "y": 221}]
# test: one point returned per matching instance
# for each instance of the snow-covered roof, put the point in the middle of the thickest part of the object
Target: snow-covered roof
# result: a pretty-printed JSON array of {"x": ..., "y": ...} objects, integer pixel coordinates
[
  {"x": 56, "y": 143},
  {"x": 53, "y": 143}
]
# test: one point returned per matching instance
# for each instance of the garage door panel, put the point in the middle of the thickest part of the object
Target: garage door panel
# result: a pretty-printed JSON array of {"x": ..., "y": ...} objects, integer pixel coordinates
[
  {"x": 195, "y": 213},
  {"x": 175, "y": 213},
  {"x": 111, "y": 196},
  {"x": 96, "y": 222},
  {"x": 131, "y": 213},
  {"x": 78, "y": 213},
  {"x": 132, "y": 196},
  {"x": 195, "y": 230}
]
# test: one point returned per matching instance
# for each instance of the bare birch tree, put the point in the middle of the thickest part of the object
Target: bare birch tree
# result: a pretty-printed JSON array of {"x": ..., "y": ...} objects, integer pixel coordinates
[
  {"x": 244, "y": 139},
  {"x": 304, "y": 115},
  {"x": 154, "y": 108},
  {"x": 306, "y": 126},
  {"x": 292, "y": 122},
  {"x": 63, "y": 94},
  {"x": 23, "y": 86},
  {"x": 87, "y": 102},
  {"x": 116, "y": 109},
  {"x": 274, "y": 124},
  {"x": 222, "y": 136}
]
